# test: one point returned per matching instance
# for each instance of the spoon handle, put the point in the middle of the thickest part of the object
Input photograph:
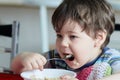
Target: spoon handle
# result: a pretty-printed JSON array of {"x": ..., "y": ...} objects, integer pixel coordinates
[
  {"x": 54, "y": 59},
  {"x": 67, "y": 57}
]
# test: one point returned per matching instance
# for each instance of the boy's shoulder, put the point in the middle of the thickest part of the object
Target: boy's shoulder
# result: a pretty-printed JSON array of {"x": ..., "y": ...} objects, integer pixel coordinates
[
  {"x": 109, "y": 54},
  {"x": 110, "y": 50}
]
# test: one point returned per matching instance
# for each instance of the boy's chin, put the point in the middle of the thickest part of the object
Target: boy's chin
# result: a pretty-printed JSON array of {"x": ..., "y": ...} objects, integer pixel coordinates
[{"x": 73, "y": 65}]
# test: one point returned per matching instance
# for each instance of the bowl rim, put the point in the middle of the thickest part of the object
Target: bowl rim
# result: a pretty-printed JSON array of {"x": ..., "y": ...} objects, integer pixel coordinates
[{"x": 22, "y": 74}]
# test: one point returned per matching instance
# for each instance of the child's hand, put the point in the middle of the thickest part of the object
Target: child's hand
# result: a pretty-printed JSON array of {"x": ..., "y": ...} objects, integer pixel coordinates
[
  {"x": 28, "y": 61},
  {"x": 67, "y": 77}
]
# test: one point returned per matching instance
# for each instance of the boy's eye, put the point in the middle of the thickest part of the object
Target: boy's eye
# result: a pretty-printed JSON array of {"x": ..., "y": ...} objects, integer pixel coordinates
[
  {"x": 73, "y": 36},
  {"x": 59, "y": 36}
]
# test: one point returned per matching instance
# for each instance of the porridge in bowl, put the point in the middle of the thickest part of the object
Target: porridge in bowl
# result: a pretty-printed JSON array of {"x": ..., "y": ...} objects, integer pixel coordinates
[{"x": 46, "y": 78}]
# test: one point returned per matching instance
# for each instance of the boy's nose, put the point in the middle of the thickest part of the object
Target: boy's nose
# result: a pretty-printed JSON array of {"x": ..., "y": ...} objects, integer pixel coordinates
[{"x": 65, "y": 43}]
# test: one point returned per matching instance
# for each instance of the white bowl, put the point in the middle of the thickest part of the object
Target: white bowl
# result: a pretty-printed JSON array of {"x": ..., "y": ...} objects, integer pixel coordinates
[{"x": 52, "y": 74}]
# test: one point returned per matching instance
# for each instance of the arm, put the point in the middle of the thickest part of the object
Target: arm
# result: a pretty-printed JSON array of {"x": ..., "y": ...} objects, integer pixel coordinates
[{"x": 27, "y": 61}]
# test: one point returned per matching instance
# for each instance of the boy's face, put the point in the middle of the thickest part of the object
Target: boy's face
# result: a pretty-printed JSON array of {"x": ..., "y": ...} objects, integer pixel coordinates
[{"x": 72, "y": 40}]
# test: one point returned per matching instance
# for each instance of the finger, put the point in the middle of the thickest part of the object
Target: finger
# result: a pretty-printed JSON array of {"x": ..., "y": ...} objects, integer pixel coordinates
[
  {"x": 35, "y": 64},
  {"x": 37, "y": 61},
  {"x": 41, "y": 62},
  {"x": 67, "y": 77},
  {"x": 29, "y": 63},
  {"x": 40, "y": 59},
  {"x": 26, "y": 66}
]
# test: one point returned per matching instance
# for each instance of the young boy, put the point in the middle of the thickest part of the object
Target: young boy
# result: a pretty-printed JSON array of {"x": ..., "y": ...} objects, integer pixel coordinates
[{"x": 83, "y": 29}]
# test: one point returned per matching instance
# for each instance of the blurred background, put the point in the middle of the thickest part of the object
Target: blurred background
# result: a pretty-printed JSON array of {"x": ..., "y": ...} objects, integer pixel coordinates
[{"x": 36, "y": 32}]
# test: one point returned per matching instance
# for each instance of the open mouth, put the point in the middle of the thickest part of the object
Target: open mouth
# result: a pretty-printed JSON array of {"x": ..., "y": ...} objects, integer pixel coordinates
[{"x": 69, "y": 57}]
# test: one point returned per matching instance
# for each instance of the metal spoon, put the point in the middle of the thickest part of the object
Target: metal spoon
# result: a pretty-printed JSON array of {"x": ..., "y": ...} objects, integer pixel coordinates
[{"x": 67, "y": 57}]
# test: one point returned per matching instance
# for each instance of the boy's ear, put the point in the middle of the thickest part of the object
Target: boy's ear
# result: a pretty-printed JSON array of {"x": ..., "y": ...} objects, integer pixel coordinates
[{"x": 100, "y": 38}]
